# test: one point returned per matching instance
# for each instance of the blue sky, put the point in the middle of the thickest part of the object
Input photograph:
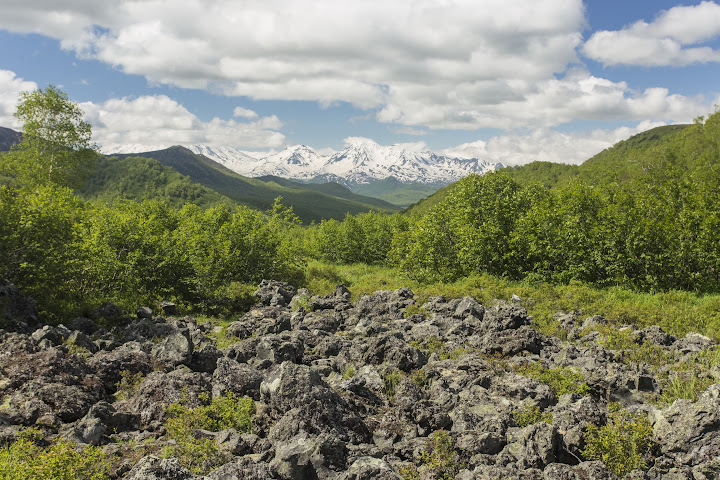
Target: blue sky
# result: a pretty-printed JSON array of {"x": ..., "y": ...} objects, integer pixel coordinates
[{"x": 503, "y": 80}]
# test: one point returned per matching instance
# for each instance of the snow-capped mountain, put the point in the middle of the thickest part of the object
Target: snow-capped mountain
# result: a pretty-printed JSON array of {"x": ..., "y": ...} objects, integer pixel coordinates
[{"x": 359, "y": 163}]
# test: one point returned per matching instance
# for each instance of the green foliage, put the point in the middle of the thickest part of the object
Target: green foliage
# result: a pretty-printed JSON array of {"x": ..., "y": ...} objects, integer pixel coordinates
[
  {"x": 529, "y": 415},
  {"x": 137, "y": 178},
  {"x": 61, "y": 460},
  {"x": 623, "y": 444},
  {"x": 439, "y": 460},
  {"x": 644, "y": 216},
  {"x": 435, "y": 345},
  {"x": 195, "y": 452},
  {"x": 128, "y": 384},
  {"x": 56, "y": 145},
  {"x": 560, "y": 380},
  {"x": 349, "y": 372},
  {"x": 390, "y": 382},
  {"x": 688, "y": 385}
]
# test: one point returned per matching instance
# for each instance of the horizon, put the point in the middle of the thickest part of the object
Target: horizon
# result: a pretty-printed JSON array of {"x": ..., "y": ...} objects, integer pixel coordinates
[{"x": 503, "y": 82}]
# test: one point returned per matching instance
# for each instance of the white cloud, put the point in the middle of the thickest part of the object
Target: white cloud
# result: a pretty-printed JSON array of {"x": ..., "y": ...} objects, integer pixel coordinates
[
  {"x": 11, "y": 87},
  {"x": 401, "y": 57},
  {"x": 673, "y": 38},
  {"x": 546, "y": 145},
  {"x": 244, "y": 113},
  {"x": 439, "y": 64},
  {"x": 160, "y": 120}
]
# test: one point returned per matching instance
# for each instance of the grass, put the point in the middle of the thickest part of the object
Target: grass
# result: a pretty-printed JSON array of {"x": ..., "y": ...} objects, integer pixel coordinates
[{"x": 676, "y": 312}]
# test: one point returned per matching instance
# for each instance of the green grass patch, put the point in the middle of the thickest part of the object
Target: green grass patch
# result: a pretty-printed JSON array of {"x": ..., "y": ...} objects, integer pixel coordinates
[
  {"x": 25, "y": 459},
  {"x": 676, "y": 312}
]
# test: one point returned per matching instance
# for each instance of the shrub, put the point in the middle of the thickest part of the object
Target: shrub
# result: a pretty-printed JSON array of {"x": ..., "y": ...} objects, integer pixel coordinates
[
  {"x": 195, "y": 452},
  {"x": 623, "y": 444},
  {"x": 530, "y": 415},
  {"x": 61, "y": 460},
  {"x": 439, "y": 460},
  {"x": 560, "y": 380},
  {"x": 128, "y": 384}
]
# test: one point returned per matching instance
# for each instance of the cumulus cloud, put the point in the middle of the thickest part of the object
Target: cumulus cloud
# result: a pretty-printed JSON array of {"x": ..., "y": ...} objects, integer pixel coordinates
[
  {"x": 674, "y": 38},
  {"x": 244, "y": 113},
  {"x": 11, "y": 86},
  {"x": 438, "y": 64},
  {"x": 546, "y": 145},
  {"x": 160, "y": 120}
]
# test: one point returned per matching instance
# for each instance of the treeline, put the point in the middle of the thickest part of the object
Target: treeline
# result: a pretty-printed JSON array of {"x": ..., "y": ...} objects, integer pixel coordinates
[
  {"x": 72, "y": 255},
  {"x": 651, "y": 223},
  {"x": 656, "y": 229}
]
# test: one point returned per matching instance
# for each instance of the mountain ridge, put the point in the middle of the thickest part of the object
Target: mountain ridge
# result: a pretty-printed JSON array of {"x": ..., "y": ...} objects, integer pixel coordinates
[{"x": 358, "y": 164}]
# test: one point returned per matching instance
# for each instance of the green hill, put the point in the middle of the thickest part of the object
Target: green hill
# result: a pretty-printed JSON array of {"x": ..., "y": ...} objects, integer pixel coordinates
[
  {"x": 309, "y": 205},
  {"x": 398, "y": 193},
  {"x": 622, "y": 162},
  {"x": 331, "y": 188}
]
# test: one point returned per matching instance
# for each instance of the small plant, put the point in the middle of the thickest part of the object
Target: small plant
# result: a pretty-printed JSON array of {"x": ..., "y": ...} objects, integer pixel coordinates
[
  {"x": 62, "y": 459},
  {"x": 414, "y": 309},
  {"x": 684, "y": 385},
  {"x": 439, "y": 459},
  {"x": 623, "y": 444},
  {"x": 348, "y": 373},
  {"x": 530, "y": 415},
  {"x": 390, "y": 383},
  {"x": 195, "y": 452},
  {"x": 128, "y": 384},
  {"x": 560, "y": 380},
  {"x": 419, "y": 378},
  {"x": 435, "y": 345}
]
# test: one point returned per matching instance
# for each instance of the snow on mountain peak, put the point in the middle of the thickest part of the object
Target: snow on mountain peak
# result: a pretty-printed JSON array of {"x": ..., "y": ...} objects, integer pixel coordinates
[{"x": 362, "y": 161}]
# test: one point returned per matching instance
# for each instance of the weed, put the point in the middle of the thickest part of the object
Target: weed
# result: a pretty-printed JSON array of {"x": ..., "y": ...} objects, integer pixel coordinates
[
  {"x": 195, "y": 452},
  {"x": 390, "y": 383},
  {"x": 128, "y": 384},
  {"x": 349, "y": 372},
  {"x": 438, "y": 460},
  {"x": 623, "y": 444},
  {"x": 26, "y": 460},
  {"x": 560, "y": 380},
  {"x": 530, "y": 415}
]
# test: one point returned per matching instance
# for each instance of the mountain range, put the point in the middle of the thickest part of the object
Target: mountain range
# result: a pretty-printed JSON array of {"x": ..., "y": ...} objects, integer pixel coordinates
[{"x": 359, "y": 164}]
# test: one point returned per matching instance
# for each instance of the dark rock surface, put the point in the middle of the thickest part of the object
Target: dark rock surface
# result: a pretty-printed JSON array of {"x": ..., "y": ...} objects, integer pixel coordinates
[{"x": 355, "y": 391}]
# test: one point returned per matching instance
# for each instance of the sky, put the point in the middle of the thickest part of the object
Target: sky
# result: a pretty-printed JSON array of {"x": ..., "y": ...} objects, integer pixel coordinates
[{"x": 501, "y": 80}]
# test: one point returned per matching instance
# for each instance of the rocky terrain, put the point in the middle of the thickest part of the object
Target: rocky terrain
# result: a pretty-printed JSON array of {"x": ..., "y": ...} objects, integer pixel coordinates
[{"x": 388, "y": 387}]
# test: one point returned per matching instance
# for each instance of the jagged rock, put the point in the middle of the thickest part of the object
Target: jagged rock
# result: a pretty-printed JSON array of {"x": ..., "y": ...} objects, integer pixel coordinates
[
  {"x": 168, "y": 308},
  {"x": 690, "y": 432},
  {"x": 48, "y": 333},
  {"x": 533, "y": 446},
  {"x": 308, "y": 457},
  {"x": 272, "y": 293},
  {"x": 175, "y": 349},
  {"x": 654, "y": 335},
  {"x": 241, "y": 469},
  {"x": 102, "y": 420},
  {"x": 144, "y": 312},
  {"x": 160, "y": 389},
  {"x": 391, "y": 350},
  {"x": 298, "y": 394},
  {"x": 84, "y": 325},
  {"x": 240, "y": 379},
  {"x": 17, "y": 310},
  {"x": 205, "y": 358},
  {"x": 154, "y": 468},
  {"x": 80, "y": 340},
  {"x": 338, "y": 300},
  {"x": 109, "y": 366},
  {"x": 369, "y": 468}
]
